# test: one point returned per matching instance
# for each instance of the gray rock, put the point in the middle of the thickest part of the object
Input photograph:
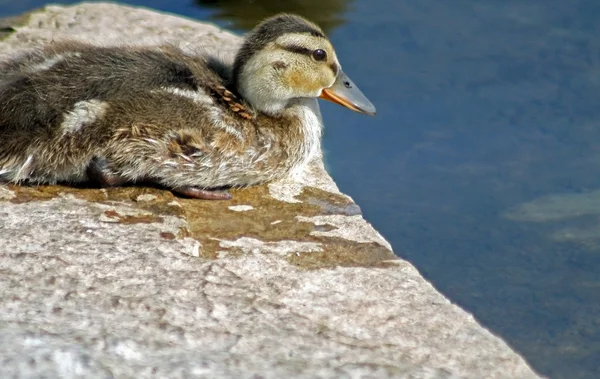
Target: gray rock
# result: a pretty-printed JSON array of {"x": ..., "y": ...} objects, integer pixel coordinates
[{"x": 287, "y": 280}]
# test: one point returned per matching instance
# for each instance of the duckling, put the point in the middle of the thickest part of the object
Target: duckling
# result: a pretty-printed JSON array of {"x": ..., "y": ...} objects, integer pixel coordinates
[{"x": 72, "y": 112}]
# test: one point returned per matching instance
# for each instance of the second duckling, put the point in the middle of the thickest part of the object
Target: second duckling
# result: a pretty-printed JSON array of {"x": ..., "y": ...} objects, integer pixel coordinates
[{"x": 73, "y": 112}]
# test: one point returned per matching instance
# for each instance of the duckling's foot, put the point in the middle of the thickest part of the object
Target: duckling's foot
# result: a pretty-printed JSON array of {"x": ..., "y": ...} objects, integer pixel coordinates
[
  {"x": 199, "y": 193},
  {"x": 99, "y": 174}
]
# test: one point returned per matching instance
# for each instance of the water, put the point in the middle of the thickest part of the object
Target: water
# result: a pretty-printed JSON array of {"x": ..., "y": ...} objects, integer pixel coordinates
[{"x": 481, "y": 165}]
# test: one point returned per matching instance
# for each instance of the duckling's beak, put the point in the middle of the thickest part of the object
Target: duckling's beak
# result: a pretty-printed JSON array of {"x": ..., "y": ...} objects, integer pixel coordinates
[{"x": 346, "y": 93}]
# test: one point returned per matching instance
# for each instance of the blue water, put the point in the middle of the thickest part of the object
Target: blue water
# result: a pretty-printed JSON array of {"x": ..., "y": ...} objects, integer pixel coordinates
[{"x": 483, "y": 106}]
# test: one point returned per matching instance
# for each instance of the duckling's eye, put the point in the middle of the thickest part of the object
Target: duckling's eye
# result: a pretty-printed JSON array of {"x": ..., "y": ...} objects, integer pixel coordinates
[{"x": 319, "y": 55}]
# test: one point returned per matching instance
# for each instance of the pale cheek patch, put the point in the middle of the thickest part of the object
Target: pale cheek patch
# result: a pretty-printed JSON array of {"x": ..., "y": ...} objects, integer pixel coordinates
[
  {"x": 83, "y": 113},
  {"x": 327, "y": 79},
  {"x": 303, "y": 83}
]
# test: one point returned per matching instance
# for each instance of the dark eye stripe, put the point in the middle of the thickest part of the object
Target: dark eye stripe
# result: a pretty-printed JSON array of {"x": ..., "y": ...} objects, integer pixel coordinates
[
  {"x": 297, "y": 49},
  {"x": 303, "y": 50}
]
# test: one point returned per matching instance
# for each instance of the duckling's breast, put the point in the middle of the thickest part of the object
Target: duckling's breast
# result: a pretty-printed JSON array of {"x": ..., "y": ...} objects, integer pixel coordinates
[{"x": 310, "y": 124}]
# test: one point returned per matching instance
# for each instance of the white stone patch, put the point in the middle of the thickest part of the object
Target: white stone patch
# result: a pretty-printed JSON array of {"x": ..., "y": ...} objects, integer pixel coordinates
[
  {"x": 104, "y": 218},
  {"x": 219, "y": 311},
  {"x": 282, "y": 248},
  {"x": 83, "y": 113},
  {"x": 6, "y": 194},
  {"x": 222, "y": 254},
  {"x": 32, "y": 341},
  {"x": 352, "y": 228},
  {"x": 276, "y": 222},
  {"x": 241, "y": 208},
  {"x": 286, "y": 190},
  {"x": 127, "y": 349},
  {"x": 145, "y": 198},
  {"x": 119, "y": 210},
  {"x": 313, "y": 176},
  {"x": 174, "y": 204},
  {"x": 198, "y": 97},
  {"x": 68, "y": 363},
  {"x": 192, "y": 246}
]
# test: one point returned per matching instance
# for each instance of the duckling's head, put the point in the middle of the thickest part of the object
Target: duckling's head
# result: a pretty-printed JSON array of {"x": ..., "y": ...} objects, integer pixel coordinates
[{"x": 287, "y": 57}]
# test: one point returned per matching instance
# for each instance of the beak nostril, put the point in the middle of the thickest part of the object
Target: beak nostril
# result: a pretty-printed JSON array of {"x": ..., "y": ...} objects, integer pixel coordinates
[{"x": 344, "y": 92}]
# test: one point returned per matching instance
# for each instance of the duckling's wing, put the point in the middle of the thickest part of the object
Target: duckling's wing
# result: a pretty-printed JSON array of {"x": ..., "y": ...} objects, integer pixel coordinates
[
  {"x": 38, "y": 88},
  {"x": 55, "y": 103}
]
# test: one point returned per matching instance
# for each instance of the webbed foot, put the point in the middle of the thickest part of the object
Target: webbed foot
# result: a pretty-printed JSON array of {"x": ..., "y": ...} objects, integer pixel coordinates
[{"x": 199, "y": 193}]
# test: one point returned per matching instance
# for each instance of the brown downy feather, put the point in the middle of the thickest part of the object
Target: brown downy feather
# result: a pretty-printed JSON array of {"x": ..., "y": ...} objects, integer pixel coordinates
[{"x": 131, "y": 114}]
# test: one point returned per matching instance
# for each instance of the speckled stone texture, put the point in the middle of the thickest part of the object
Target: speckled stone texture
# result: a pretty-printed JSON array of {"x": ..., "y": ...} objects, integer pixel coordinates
[{"x": 285, "y": 281}]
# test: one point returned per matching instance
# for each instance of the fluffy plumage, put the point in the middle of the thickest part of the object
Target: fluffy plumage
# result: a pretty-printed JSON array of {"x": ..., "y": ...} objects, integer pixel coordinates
[{"x": 73, "y": 112}]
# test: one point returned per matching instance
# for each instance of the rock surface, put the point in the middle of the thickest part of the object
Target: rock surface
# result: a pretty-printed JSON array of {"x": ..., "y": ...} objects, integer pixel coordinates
[{"x": 287, "y": 280}]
